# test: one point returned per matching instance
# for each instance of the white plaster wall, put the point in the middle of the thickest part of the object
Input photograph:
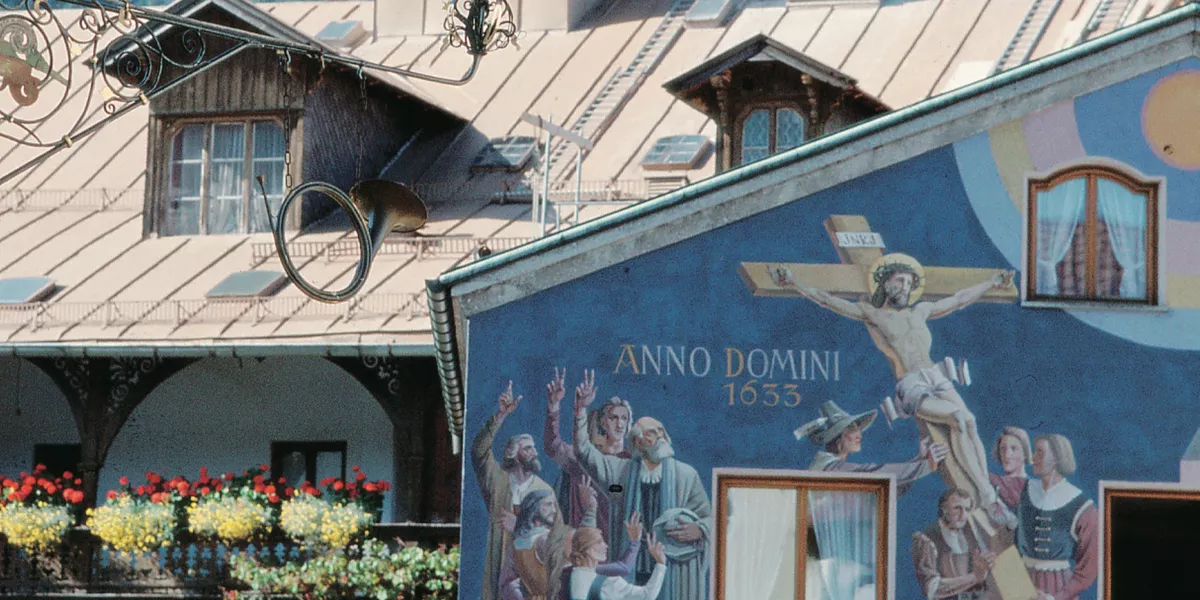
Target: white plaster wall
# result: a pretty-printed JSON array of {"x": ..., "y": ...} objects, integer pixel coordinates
[
  {"x": 32, "y": 411},
  {"x": 222, "y": 414}
]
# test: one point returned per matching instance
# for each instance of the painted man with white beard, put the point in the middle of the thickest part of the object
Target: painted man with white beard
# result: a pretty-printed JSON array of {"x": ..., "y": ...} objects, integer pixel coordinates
[{"x": 653, "y": 482}]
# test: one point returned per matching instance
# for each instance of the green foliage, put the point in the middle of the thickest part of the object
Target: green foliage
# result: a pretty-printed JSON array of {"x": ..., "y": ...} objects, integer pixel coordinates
[{"x": 370, "y": 570}]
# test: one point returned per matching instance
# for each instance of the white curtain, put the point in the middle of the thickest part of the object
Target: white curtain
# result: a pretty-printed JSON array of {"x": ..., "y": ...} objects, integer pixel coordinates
[
  {"x": 226, "y": 182},
  {"x": 761, "y": 523},
  {"x": 1125, "y": 213},
  {"x": 845, "y": 527},
  {"x": 267, "y": 162},
  {"x": 1059, "y": 209}
]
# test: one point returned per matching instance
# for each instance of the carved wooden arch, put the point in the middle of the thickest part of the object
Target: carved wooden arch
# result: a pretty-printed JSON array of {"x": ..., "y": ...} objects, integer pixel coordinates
[{"x": 103, "y": 392}]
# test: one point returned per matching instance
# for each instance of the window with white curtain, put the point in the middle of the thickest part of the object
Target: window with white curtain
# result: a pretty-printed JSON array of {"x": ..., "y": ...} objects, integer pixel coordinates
[
  {"x": 212, "y": 177},
  {"x": 789, "y": 537},
  {"x": 766, "y": 131},
  {"x": 1092, "y": 237}
]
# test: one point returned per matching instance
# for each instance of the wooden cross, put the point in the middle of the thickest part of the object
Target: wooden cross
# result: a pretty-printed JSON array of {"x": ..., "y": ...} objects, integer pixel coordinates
[{"x": 859, "y": 248}]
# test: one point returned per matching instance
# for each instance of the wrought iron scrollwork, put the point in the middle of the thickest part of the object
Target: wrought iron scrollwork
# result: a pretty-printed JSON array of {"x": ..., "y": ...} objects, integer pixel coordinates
[
  {"x": 125, "y": 373},
  {"x": 69, "y": 73},
  {"x": 388, "y": 371}
]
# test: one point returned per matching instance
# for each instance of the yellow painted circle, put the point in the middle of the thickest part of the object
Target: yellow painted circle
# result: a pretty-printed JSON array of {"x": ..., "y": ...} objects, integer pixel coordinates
[
  {"x": 1170, "y": 118},
  {"x": 897, "y": 257}
]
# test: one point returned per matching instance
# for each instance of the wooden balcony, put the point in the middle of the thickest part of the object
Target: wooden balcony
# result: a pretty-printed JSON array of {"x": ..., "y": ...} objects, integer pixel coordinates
[{"x": 189, "y": 568}]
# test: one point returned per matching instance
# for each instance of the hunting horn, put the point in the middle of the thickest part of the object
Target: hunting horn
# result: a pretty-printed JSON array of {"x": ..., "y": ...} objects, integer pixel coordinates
[{"x": 376, "y": 207}]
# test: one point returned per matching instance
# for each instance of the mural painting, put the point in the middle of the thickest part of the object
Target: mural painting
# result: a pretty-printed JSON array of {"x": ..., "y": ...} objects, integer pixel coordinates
[{"x": 929, "y": 353}]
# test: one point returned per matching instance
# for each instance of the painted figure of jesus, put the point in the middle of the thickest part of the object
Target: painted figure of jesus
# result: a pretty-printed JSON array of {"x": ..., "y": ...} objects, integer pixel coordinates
[{"x": 897, "y": 323}]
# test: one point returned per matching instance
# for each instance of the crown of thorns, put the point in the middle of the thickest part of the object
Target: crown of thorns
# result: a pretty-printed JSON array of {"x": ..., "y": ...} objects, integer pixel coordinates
[{"x": 887, "y": 269}]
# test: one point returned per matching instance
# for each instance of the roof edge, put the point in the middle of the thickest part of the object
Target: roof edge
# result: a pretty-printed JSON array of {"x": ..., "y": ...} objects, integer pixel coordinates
[{"x": 232, "y": 350}]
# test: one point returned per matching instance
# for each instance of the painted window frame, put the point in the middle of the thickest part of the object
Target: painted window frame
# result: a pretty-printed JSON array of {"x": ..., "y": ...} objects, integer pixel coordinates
[
  {"x": 250, "y": 191},
  {"x": 772, "y": 109},
  {"x": 1152, "y": 187},
  {"x": 1129, "y": 489},
  {"x": 885, "y": 484}
]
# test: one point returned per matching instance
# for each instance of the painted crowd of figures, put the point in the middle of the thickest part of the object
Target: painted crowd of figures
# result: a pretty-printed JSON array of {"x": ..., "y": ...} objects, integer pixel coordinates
[{"x": 625, "y": 520}]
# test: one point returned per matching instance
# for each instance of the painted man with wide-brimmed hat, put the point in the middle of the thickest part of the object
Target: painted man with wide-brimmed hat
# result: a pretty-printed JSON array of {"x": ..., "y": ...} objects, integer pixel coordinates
[{"x": 839, "y": 434}]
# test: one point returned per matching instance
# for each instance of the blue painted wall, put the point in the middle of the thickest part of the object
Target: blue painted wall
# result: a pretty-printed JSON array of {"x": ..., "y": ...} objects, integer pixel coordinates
[{"x": 1126, "y": 407}]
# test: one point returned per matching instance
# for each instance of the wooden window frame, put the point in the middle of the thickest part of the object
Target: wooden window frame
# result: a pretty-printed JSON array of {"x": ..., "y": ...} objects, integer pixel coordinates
[
  {"x": 249, "y": 193},
  {"x": 1092, "y": 172},
  {"x": 801, "y": 481},
  {"x": 773, "y": 109},
  {"x": 279, "y": 448},
  {"x": 1129, "y": 490}
]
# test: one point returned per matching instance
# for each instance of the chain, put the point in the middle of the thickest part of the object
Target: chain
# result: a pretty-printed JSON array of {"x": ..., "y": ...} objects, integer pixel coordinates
[
  {"x": 287, "y": 122},
  {"x": 362, "y": 113}
]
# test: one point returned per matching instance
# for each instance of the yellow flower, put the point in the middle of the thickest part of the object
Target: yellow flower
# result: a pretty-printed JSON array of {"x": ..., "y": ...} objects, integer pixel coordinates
[
  {"x": 130, "y": 526},
  {"x": 227, "y": 518},
  {"x": 36, "y": 528}
]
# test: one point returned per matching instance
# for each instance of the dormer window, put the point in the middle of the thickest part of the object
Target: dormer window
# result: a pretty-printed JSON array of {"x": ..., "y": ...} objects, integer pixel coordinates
[
  {"x": 212, "y": 170},
  {"x": 767, "y": 131}
]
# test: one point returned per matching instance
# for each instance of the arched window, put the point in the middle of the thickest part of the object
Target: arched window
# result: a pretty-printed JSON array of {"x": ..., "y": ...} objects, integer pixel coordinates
[
  {"x": 1092, "y": 237},
  {"x": 766, "y": 131}
]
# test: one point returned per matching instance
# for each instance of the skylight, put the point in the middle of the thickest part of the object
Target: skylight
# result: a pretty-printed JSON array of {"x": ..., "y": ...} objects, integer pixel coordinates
[
  {"x": 249, "y": 284},
  {"x": 343, "y": 33},
  {"x": 709, "y": 13},
  {"x": 23, "y": 290},
  {"x": 676, "y": 152},
  {"x": 510, "y": 153}
]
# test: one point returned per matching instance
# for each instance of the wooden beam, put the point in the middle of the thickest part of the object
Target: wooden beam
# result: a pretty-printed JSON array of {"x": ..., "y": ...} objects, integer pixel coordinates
[{"x": 850, "y": 281}]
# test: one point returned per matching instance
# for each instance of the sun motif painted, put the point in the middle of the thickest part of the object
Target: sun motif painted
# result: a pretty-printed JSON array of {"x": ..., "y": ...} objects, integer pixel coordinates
[{"x": 1169, "y": 115}]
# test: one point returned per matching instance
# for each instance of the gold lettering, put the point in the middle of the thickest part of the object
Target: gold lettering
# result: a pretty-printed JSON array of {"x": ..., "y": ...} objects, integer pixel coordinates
[
  {"x": 729, "y": 352},
  {"x": 627, "y": 351}
]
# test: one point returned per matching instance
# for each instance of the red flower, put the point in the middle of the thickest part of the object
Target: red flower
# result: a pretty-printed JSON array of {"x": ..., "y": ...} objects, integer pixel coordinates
[
  {"x": 337, "y": 485},
  {"x": 51, "y": 488},
  {"x": 154, "y": 478},
  {"x": 15, "y": 496},
  {"x": 270, "y": 489},
  {"x": 328, "y": 480},
  {"x": 30, "y": 480},
  {"x": 259, "y": 479},
  {"x": 369, "y": 487},
  {"x": 264, "y": 468},
  {"x": 67, "y": 475},
  {"x": 289, "y": 491},
  {"x": 112, "y": 494},
  {"x": 123, "y": 480},
  {"x": 204, "y": 491},
  {"x": 355, "y": 468},
  {"x": 78, "y": 481},
  {"x": 361, "y": 476},
  {"x": 273, "y": 498},
  {"x": 39, "y": 468},
  {"x": 203, "y": 472}
]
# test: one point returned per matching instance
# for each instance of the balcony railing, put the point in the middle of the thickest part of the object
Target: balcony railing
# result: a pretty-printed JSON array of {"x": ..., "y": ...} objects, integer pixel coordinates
[{"x": 189, "y": 568}]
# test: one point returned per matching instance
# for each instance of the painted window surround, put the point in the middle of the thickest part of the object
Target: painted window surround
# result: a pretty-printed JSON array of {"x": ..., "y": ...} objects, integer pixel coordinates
[{"x": 1091, "y": 169}]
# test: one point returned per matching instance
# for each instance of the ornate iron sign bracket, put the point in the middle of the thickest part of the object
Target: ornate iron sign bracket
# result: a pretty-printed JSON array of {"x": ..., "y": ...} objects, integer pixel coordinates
[{"x": 56, "y": 96}]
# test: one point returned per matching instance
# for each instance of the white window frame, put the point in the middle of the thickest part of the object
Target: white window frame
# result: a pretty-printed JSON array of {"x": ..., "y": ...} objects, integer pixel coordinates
[
  {"x": 1108, "y": 488},
  {"x": 250, "y": 191}
]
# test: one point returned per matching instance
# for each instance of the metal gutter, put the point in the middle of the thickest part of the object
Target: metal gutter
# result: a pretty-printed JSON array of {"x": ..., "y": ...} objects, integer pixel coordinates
[
  {"x": 213, "y": 350},
  {"x": 441, "y": 312}
]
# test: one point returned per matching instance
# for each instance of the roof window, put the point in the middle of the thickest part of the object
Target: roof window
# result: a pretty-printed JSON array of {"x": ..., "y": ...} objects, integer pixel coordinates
[
  {"x": 511, "y": 153},
  {"x": 676, "y": 152},
  {"x": 23, "y": 290},
  {"x": 343, "y": 33},
  {"x": 249, "y": 284}
]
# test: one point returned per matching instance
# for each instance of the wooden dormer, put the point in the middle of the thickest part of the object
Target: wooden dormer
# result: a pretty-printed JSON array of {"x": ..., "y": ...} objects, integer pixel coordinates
[{"x": 766, "y": 97}]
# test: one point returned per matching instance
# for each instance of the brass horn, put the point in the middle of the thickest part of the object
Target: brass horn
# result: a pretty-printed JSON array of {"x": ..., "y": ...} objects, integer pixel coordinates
[{"x": 376, "y": 208}]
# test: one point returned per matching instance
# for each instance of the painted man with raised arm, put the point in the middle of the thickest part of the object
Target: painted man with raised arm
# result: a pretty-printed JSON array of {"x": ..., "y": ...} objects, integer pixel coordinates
[
  {"x": 898, "y": 324},
  {"x": 503, "y": 485},
  {"x": 667, "y": 492}
]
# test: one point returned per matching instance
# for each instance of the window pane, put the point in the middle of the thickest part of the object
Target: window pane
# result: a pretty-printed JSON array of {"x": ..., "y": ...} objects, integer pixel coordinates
[
  {"x": 329, "y": 464},
  {"x": 760, "y": 544},
  {"x": 1121, "y": 237},
  {"x": 268, "y": 162},
  {"x": 182, "y": 214},
  {"x": 226, "y": 182},
  {"x": 756, "y": 136},
  {"x": 293, "y": 469},
  {"x": 789, "y": 129},
  {"x": 841, "y": 564},
  {"x": 1060, "y": 217}
]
